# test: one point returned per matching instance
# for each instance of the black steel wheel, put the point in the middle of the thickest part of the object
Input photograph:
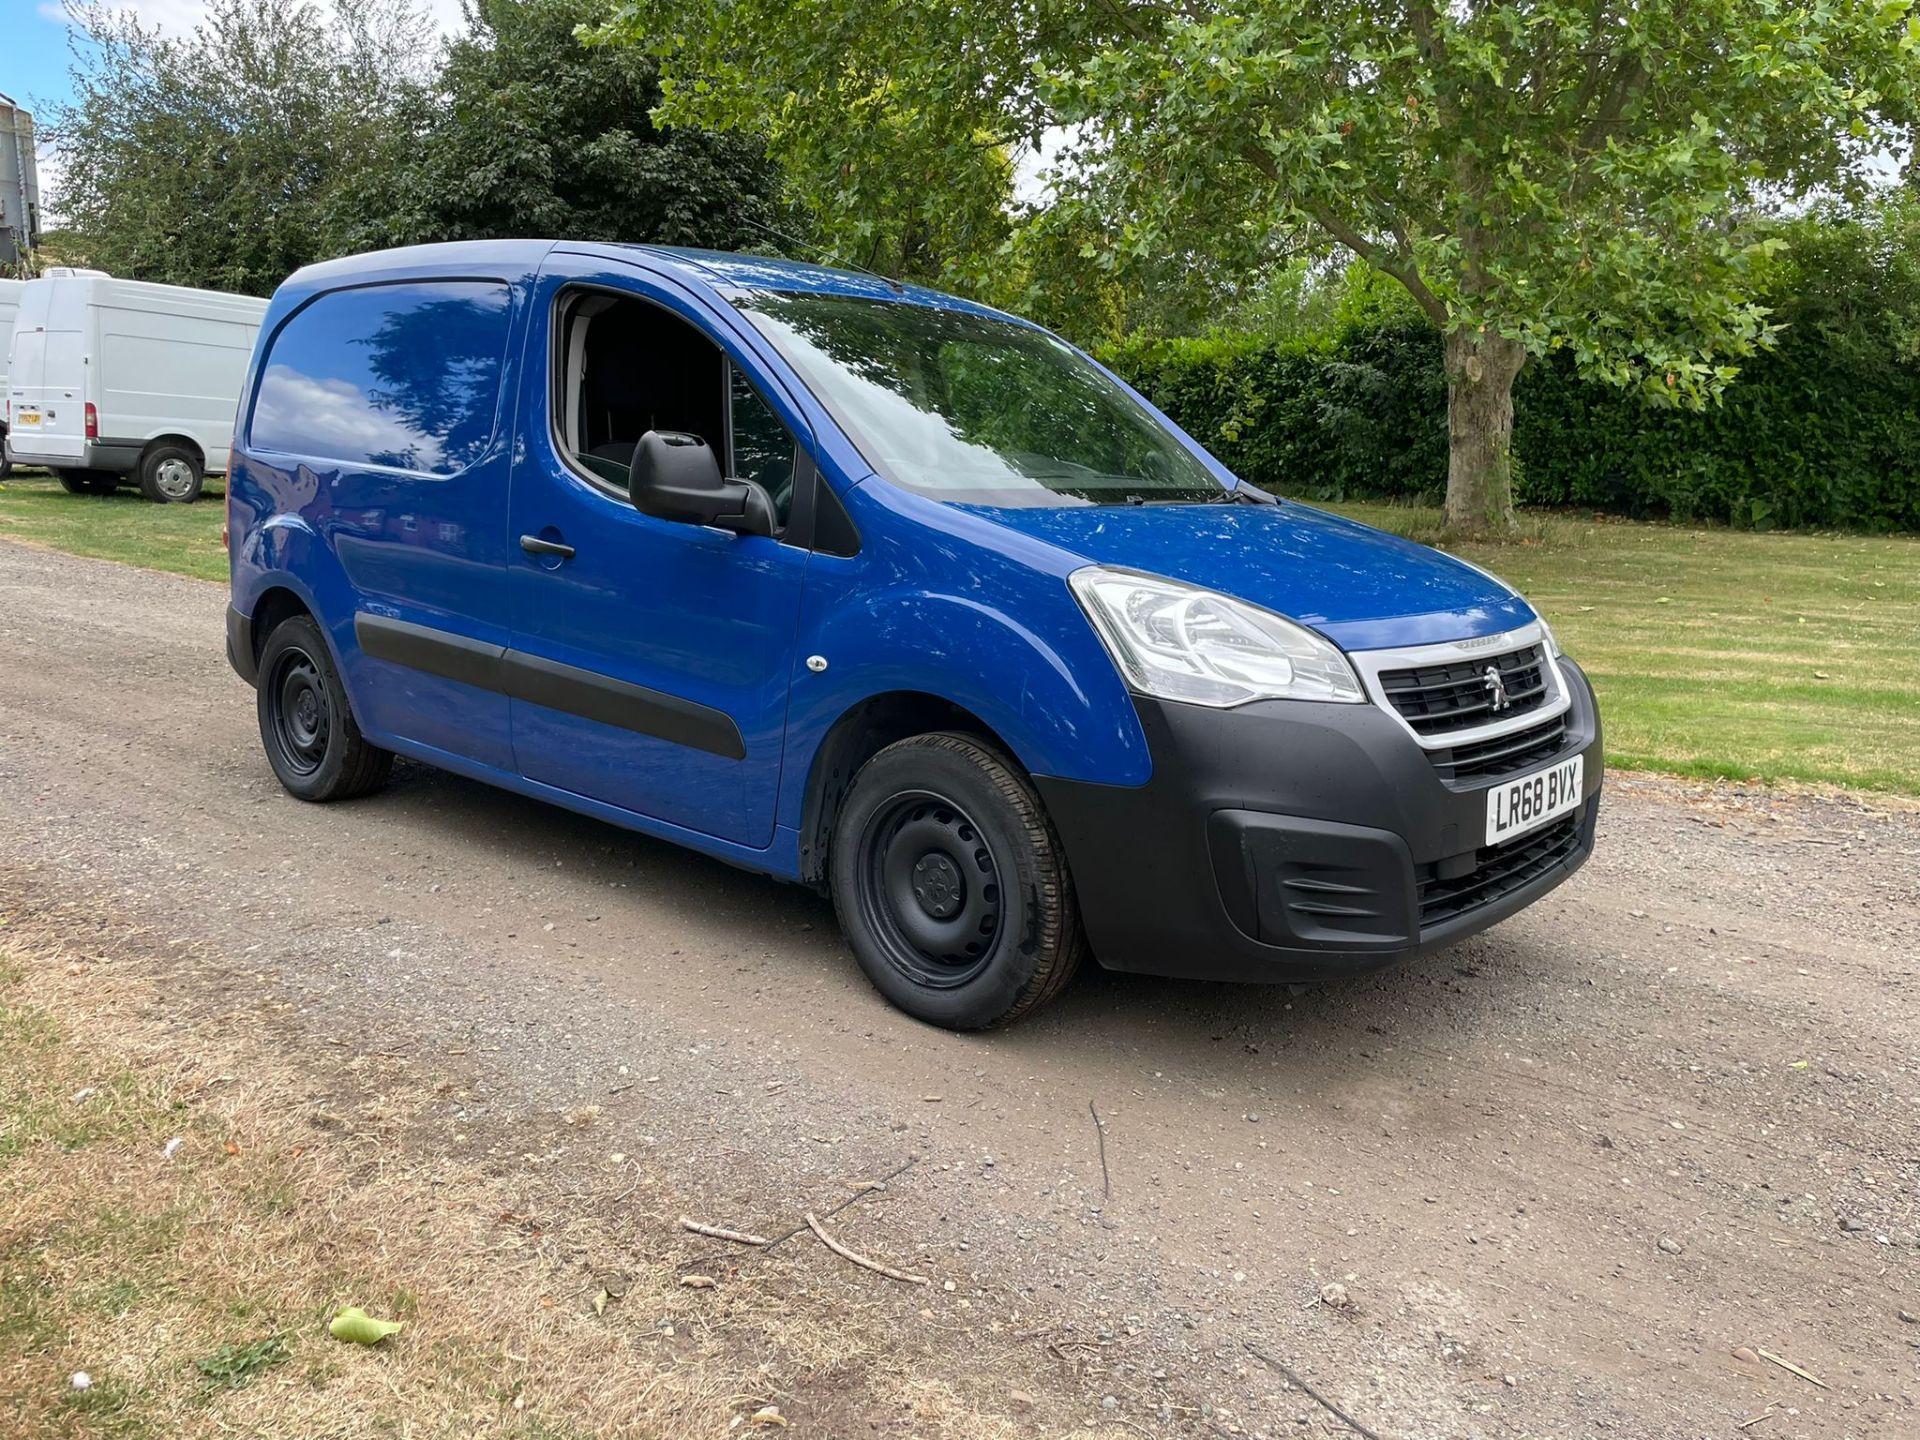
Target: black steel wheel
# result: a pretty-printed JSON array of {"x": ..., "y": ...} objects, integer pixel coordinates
[
  {"x": 301, "y": 725},
  {"x": 951, "y": 886},
  {"x": 315, "y": 748},
  {"x": 931, "y": 891}
]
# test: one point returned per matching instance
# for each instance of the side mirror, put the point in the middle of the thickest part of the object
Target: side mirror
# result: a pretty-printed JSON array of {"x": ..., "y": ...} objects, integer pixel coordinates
[{"x": 676, "y": 476}]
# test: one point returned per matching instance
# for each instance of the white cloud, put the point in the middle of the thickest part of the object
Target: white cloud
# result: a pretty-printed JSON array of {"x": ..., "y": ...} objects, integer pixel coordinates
[{"x": 335, "y": 418}]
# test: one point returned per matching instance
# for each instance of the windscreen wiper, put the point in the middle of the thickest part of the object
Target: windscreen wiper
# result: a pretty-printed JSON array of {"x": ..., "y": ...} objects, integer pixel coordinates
[{"x": 1242, "y": 494}]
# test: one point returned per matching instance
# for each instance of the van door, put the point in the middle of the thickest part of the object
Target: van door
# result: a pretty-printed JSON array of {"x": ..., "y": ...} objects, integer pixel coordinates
[
  {"x": 47, "y": 381},
  {"x": 378, "y": 420},
  {"x": 650, "y": 660}
]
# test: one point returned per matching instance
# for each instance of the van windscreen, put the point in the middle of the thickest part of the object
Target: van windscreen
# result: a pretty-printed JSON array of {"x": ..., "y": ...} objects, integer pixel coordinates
[{"x": 963, "y": 407}]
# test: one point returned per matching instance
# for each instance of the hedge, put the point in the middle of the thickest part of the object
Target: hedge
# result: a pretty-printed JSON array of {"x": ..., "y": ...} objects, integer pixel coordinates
[{"x": 1823, "y": 431}]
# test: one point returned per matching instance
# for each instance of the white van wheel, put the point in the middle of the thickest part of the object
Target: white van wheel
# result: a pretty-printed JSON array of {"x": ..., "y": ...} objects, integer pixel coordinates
[
  {"x": 86, "y": 482},
  {"x": 170, "y": 475}
]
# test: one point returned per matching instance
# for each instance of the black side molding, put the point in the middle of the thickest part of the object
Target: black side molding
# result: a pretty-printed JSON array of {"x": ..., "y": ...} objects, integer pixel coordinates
[
  {"x": 540, "y": 681},
  {"x": 618, "y": 702},
  {"x": 438, "y": 652}
]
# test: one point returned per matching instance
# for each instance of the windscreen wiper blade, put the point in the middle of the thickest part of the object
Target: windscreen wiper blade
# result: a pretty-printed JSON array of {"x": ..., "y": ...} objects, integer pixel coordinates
[{"x": 1242, "y": 494}]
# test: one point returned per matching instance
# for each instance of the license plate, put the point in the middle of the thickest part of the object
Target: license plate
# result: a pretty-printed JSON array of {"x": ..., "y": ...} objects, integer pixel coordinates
[
  {"x": 28, "y": 417},
  {"x": 1531, "y": 801}
]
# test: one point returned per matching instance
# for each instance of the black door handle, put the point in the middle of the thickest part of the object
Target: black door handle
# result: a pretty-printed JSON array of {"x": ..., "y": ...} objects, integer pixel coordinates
[{"x": 534, "y": 545}]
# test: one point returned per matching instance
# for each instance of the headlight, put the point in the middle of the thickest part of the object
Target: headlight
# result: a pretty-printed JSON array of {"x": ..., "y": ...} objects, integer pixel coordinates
[{"x": 1182, "y": 643}]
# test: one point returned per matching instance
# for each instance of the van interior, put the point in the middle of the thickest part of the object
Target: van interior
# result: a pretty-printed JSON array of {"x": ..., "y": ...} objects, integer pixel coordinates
[{"x": 628, "y": 367}]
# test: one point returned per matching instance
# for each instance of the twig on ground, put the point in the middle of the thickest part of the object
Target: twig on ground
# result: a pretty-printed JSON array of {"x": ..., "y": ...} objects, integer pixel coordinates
[
  {"x": 739, "y": 1237},
  {"x": 1312, "y": 1394},
  {"x": 1100, "y": 1132},
  {"x": 844, "y": 1253},
  {"x": 1766, "y": 1414},
  {"x": 1790, "y": 1367},
  {"x": 631, "y": 1188},
  {"x": 853, "y": 1199}
]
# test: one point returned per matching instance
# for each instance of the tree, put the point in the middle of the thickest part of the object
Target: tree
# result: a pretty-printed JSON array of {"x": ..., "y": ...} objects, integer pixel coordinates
[
  {"x": 888, "y": 201},
  {"x": 1540, "y": 175},
  {"x": 214, "y": 159},
  {"x": 526, "y": 132}
]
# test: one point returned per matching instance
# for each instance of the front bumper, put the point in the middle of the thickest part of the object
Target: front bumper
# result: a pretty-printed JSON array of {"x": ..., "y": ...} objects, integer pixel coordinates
[{"x": 1288, "y": 841}]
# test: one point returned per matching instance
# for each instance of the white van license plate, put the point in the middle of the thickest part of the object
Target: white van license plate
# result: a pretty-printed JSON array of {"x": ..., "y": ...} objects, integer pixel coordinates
[
  {"x": 1531, "y": 801},
  {"x": 27, "y": 418}
]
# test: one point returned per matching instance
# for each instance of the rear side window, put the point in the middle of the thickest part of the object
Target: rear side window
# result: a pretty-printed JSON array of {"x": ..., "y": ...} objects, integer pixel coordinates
[{"x": 401, "y": 376}]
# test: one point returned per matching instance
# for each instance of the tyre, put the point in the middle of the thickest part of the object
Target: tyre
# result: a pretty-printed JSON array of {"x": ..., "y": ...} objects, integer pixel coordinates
[
  {"x": 312, "y": 742},
  {"x": 87, "y": 482},
  {"x": 951, "y": 886},
  {"x": 170, "y": 475}
]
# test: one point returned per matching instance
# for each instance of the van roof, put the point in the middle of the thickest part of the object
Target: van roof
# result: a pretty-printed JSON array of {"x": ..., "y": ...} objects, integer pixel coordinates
[{"x": 725, "y": 272}]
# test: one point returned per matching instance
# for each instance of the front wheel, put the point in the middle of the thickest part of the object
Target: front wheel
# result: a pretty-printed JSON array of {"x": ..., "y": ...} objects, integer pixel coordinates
[
  {"x": 315, "y": 747},
  {"x": 951, "y": 886}
]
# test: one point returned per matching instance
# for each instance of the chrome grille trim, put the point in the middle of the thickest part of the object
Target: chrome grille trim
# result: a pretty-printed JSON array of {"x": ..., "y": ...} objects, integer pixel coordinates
[{"x": 1371, "y": 663}]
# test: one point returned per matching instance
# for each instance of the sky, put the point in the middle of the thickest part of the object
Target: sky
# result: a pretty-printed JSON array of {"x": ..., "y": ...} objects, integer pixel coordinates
[{"x": 35, "y": 54}]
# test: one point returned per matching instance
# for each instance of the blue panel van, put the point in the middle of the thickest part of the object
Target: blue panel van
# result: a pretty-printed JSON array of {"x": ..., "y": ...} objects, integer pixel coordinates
[{"x": 883, "y": 592}]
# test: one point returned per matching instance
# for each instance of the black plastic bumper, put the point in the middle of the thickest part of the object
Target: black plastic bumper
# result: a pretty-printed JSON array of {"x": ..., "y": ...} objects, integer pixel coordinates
[
  {"x": 111, "y": 457},
  {"x": 240, "y": 652},
  {"x": 1289, "y": 841}
]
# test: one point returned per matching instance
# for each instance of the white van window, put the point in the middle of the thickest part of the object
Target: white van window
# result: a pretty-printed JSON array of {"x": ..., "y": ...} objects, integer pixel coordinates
[{"x": 406, "y": 377}]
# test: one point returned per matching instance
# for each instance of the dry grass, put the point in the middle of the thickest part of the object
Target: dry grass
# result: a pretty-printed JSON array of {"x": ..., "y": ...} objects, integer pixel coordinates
[{"x": 195, "y": 1291}]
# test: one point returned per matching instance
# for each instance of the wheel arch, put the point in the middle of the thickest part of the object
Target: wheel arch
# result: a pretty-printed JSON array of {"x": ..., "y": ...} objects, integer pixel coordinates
[
  {"x": 862, "y": 731},
  {"x": 171, "y": 437},
  {"x": 273, "y": 606}
]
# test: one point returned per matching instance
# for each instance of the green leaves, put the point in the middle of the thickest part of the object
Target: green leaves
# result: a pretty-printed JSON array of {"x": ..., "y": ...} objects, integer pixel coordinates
[
  {"x": 1585, "y": 177},
  {"x": 233, "y": 1366},
  {"x": 528, "y": 131},
  {"x": 216, "y": 158}
]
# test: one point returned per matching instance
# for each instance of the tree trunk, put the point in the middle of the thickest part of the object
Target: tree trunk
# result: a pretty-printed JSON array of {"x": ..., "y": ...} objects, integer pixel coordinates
[{"x": 1481, "y": 369}]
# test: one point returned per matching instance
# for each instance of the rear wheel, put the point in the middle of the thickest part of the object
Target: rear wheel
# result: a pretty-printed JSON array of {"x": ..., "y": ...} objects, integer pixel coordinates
[
  {"x": 951, "y": 886},
  {"x": 170, "y": 475},
  {"x": 87, "y": 482},
  {"x": 312, "y": 742}
]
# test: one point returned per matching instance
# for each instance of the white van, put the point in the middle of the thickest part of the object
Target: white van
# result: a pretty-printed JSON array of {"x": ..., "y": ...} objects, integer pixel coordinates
[
  {"x": 111, "y": 380},
  {"x": 9, "y": 303}
]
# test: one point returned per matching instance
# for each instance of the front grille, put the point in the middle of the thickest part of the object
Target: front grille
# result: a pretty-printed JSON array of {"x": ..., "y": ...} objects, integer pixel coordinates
[
  {"x": 1435, "y": 699},
  {"x": 1499, "y": 871},
  {"x": 1503, "y": 754}
]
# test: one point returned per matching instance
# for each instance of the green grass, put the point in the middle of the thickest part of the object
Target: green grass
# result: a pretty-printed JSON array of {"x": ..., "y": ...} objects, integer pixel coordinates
[
  {"x": 184, "y": 539},
  {"x": 1716, "y": 653},
  {"x": 1724, "y": 653}
]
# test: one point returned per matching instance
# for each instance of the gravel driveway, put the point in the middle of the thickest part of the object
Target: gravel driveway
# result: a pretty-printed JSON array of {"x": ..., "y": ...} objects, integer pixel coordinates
[{"x": 1567, "y": 1179}]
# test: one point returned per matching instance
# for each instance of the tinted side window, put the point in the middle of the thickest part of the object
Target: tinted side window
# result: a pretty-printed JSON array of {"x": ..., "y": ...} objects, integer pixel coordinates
[{"x": 405, "y": 376}]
